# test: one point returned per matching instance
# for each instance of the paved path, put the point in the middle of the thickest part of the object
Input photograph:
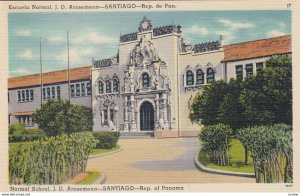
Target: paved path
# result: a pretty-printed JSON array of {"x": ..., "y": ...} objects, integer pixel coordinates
[{"x": 156, "y": 161}]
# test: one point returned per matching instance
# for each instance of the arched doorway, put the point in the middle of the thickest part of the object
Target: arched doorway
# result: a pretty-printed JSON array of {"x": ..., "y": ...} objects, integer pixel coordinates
[{"x": 146, "y": 117}]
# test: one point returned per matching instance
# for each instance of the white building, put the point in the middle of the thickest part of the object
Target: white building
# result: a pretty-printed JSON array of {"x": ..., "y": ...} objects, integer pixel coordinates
[{"x": 148, "y": 85}]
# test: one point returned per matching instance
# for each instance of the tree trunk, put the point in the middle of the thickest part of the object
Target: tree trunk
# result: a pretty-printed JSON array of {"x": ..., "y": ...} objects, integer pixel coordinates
[{"x": 246, "y": 155}]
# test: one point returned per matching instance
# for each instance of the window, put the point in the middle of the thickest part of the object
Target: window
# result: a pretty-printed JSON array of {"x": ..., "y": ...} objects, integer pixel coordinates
[
  {"x": 105, "y": 116},
  {"x": 72, "y": 90},
  {"x": 23, "y": 95},
  {"x": 199, "y": 77},
  {"x": 26, "y": 120},
  {"x": 19, "y": 96},
  {"x": 115, "y": 85},
  {"x": 100, "y": 83},
  {"x": 48, "y": 92},
  {"x": 31, "y": 94},
  {"x": 44, "y": 93},
  {"x": 239, "y": 72},
  {"x": 111, "y": 112},
  {"x": 210, "y": 75},
  {"x": 249, "y": 70},
  {"x": 53, "y": 92},
  {"x": 58, "y": 92},
  {"x": 108, "y": 87},
  {"x": 146, "y": 80},
  {"x": 82, "y": 89},
  {"x": 8, "y": 97},
  {"x": 77, "y": 90},
  {"x": 189, "y": 78},
  {"x": 88, "y": 88},
  {"x": 259, "y": 67}
]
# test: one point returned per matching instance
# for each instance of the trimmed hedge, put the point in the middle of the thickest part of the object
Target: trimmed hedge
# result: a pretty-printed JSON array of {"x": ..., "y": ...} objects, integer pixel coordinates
[
  {"x": 50, "y": 161},
  {"x": 105, "y": 139}
]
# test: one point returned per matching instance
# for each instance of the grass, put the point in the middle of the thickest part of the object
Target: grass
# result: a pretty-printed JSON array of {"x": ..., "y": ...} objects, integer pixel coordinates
[
  {"x": 236, "y": 152},
  {"x": 102, "y": 151},
  {"x": 92, "y": 177}
]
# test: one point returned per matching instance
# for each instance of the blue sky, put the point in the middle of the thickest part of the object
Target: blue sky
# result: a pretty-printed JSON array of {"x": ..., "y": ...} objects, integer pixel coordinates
[{"x": 97, "y": 34}]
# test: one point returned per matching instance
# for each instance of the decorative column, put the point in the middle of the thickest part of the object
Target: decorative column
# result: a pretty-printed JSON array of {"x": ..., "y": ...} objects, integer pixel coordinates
[
  {"x": 126, "y": 128},
  {"x": 164, "y": 100},
  {"x": 133, "y": 121},
  {"x": 157, "y": 111}
]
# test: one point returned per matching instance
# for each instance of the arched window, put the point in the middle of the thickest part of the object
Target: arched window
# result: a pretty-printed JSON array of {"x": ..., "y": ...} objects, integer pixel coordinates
[
  {"x": 108, "y": 86},
  {"x": 115, "y": 85},
  {"x": 210, "y": 75},
  {"x": 146, "y": 80},
  {"x": 101, "y": 85},
  {"x": 199, "y": 77},
  {"x": 189, "y": 78}
]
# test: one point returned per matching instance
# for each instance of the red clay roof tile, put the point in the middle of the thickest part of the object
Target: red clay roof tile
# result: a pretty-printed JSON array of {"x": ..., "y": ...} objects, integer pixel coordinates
[{"x": 258, "y": 48}]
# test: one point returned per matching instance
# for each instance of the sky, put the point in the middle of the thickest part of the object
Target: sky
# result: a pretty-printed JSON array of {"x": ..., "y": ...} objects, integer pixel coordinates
[{"x": 96, "y": 35}]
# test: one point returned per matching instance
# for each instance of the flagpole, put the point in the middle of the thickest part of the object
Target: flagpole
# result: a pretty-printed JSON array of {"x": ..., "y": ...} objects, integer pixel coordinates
[
  {"x": 41, "y": 70},
  {"x": 69, "y": 96}
]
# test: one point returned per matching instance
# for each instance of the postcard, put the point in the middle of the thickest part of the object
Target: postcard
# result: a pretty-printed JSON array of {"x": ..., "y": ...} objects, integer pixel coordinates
[{"x": 160, "y": 96}]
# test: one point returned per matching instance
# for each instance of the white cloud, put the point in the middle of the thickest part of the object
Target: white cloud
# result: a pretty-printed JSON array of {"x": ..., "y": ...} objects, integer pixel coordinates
[
  {"x": 77, "y": 55},
  {"x": 56, "y": 39},
  {"x": 26, "y": 55},
  {"x": 275, "y": 33},
  {"x": 236, "y": 25},
  {"x": 195, "y": 29},
  {"x": 24, "y": 33},
  {"x": 282, "y": 25},
  {"x": 19, "y": 71},
  {"x": 227, "y": 35},
  {"x": 93, "y": 38}
]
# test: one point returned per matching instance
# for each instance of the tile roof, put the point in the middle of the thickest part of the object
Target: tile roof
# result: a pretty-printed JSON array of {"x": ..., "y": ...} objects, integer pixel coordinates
[
  {"x": 27, "y": 113},
  {"x": 80, "y": 73},
  {"x": 258, "y": 48}
]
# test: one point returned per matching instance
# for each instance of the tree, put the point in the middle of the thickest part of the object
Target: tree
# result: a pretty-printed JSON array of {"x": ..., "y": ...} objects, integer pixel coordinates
[
  {"x": 204, "y": 108},
  {"x": 267, "y": 97},
  {"x": 57, "y": 117},
  {"x": 215, "y": 141},
  {"x": 230, "y": 110}
]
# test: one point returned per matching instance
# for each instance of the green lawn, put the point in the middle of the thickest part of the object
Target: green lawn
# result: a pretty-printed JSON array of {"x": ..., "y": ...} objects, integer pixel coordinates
[
  {"x": 93, "y": 175},
  {"x": 102, "y": 151},
  {"x": 236, "y": 153}
]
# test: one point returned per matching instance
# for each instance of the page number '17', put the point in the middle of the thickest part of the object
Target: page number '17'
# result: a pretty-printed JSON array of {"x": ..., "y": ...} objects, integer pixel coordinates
[{"x": 288, "y": 5}]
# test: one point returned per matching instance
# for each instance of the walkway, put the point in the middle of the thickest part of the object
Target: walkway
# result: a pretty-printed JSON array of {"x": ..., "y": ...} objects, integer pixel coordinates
[{"x": 156, "y": 161}]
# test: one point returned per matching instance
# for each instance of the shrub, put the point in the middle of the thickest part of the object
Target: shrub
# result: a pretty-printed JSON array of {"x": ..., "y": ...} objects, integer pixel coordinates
[
  {"x": 215, "y": 141},
  {"x": 18, "y": 133},
  {"x": 57, "y": 117},
  {"x": 17, "y": 127},
  {"x": 271, "y": 149},
  {"x": 50, "y": 161},
  {"x": 105, "y": 139}
]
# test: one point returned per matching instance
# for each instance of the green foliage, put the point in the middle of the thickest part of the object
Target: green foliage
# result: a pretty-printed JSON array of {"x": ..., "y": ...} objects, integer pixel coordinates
[
  {"x": 57, "y": 117},
  {"x": 204, "y": 108},
  {"x": 18, "y": 133},
  {"x": 105, "y": 139},
  {"x": 17, "y": 127},
  {"x": 263, "y": 99},
  {"x": 267, "y": 97},
  {"x": 215, "y": 141},
  {"x": 272, "y": 152},
  {"x": 230, "y": 110},
  {"x": 50, "y": 161}
]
